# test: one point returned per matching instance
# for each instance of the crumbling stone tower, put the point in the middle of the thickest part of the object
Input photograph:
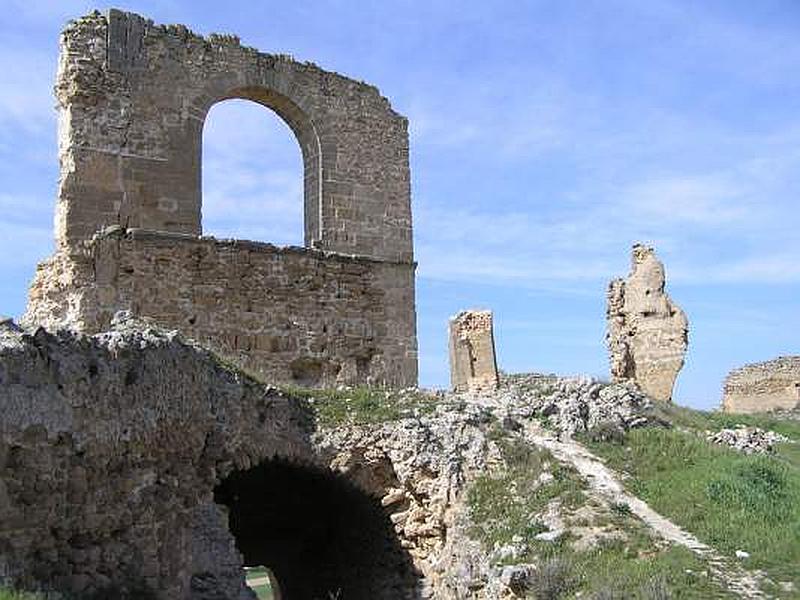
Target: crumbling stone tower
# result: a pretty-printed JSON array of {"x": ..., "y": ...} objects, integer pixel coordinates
[
  {"x": 647, "y": 332},
  {"x": 132, "y": 99}
]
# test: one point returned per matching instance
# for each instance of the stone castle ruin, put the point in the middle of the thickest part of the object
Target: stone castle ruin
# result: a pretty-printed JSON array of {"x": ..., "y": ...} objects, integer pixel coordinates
[
  {"x": 647, "y": 332},
  {"x": 762, "y": 387},
  {"x": 140, "y": 460},
  {"x": 132, "y": 99}
]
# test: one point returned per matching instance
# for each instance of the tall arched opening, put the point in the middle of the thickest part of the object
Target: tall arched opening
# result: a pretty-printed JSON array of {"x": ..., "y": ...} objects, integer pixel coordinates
[
  {"x": 322, "y": 537},
  {"x": 252, "y": 155},
  {"x": 252, "y": 175}
]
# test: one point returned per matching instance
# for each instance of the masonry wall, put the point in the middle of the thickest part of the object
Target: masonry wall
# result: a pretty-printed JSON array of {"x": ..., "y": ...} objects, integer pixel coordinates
[
  {"x": 648, "y": 333},
  {"x": 111, "y": 448},
  {"x": 292, "y": 315},
  {"x": 473, "y": 365},
  {"x": 133, "y": 97},
  {"x": 763, "y": 387}
]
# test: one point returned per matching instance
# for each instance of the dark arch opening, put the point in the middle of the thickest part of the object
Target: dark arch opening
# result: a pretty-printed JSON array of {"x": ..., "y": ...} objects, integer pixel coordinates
[
  {"x": 321, "y": 536},
  {"x": 253, "y": 175}
]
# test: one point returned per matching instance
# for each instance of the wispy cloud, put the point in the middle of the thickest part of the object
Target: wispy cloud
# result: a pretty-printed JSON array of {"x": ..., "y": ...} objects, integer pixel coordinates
[{"x": 705, "y": 199}]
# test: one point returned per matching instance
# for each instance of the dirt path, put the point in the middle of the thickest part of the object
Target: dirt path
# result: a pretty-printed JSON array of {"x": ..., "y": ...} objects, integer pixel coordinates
[{"x": 607, "y": 483}]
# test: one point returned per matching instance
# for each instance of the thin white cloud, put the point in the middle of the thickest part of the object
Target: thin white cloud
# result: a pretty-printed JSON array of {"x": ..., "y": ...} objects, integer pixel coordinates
[{"x": 705, "y": 200}]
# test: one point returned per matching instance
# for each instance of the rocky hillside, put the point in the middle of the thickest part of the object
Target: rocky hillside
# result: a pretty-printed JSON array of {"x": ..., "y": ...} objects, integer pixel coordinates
[{"x": 165, "y": 470}]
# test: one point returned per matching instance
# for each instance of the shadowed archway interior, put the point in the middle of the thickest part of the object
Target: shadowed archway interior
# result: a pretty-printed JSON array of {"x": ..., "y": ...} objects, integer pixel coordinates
[{"x": 321, "y": 536}]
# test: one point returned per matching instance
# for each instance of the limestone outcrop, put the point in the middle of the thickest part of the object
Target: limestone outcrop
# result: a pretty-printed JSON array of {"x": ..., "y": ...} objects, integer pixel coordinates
[
  {"x": 773, "y": 385},
  {"x": 748, "y": 440},
  {"x": 473, "y": 364},
  {"x": 647, "y": 332}
]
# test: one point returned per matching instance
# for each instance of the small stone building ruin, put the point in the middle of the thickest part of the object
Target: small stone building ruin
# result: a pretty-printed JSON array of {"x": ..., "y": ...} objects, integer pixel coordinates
[
  {"x": 473, "y": 365},
  {"x": 762, "y": 387},
  {"x": 647, "y": 332},
  {"x": 132, "y": 100}
]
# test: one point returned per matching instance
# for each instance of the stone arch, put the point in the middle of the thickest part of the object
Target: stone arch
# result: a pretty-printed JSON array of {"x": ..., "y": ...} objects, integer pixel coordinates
[
  {"x": 133, "y": 96},
  {"x": 305, "y": 133},
  {"x": 321, "y": 535}
]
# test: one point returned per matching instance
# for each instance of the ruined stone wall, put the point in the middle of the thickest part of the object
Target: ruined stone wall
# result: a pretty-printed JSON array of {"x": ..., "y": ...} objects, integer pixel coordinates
[
  {"x": 647, "y": 332},
  {"x": 109, "y": 453},
  {"x": 289, "y": 314},
  {"x": 473, "y": 365},
  {"x": 763, "y": 387},
  {"x": 133, "y": 97},
  {"x": 122, "y": 454}
]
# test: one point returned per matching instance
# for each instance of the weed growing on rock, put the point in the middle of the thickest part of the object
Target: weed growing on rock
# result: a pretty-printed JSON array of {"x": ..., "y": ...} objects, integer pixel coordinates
[{"x": 363, "y": 405}]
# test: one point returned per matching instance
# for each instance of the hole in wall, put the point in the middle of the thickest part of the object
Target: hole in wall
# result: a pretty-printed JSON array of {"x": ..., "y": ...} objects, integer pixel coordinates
[
  {"x": 252, "y": 175},
  {"x": 318, "y": 534}
]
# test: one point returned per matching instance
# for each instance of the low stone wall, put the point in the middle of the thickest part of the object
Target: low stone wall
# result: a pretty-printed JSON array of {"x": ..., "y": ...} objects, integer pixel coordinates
[
  {"x": 762, "y": 387},
  {"x": 292, "y": 315}
]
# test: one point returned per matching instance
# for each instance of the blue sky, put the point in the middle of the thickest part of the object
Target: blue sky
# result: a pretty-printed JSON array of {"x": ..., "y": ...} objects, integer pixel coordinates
[{"x": 546, "y": 137}]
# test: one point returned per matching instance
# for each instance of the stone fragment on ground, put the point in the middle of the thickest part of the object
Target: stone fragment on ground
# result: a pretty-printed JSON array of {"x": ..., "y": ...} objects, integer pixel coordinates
[{"x": 749, "y": 440}]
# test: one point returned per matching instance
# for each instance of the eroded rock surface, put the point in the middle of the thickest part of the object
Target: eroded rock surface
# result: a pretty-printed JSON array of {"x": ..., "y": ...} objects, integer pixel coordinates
[
  {"x": 647, "y": 332},
  {"x": 115, "y": 451},
  {"x": 748, "y": 440}
]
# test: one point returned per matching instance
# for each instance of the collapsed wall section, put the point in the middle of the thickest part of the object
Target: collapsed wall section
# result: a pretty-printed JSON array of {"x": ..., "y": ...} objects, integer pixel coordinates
[
  {"x": 763, "y": 387},
  {"x": 473, "y": 365},
  {"x": 110, "y": 449},
  {"x": 287, "y": 314}
]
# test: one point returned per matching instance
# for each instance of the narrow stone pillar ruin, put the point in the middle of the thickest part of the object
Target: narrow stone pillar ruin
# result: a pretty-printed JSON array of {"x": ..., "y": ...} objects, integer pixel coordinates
[
  {"x": 647, "y": 332},
  {"x": 473, "y": 365}
]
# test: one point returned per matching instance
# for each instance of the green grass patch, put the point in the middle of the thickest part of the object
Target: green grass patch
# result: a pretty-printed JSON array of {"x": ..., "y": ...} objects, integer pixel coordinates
[
  {"x": 729, "y": 500},
  {"x": 12, "y": 595},
  {"x": 503, "y": 509},
  {"x": 614, "y": 571},
  {"x": 503, "y": 506},
  {"x": 263, "y": 590},
  {"x": 363, "y": 405},
  {"x": 681, "y": 416}
]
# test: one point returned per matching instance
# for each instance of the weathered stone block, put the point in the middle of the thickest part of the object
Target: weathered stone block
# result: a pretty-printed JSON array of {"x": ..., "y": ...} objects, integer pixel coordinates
[{"x": 473, "y": 365}]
